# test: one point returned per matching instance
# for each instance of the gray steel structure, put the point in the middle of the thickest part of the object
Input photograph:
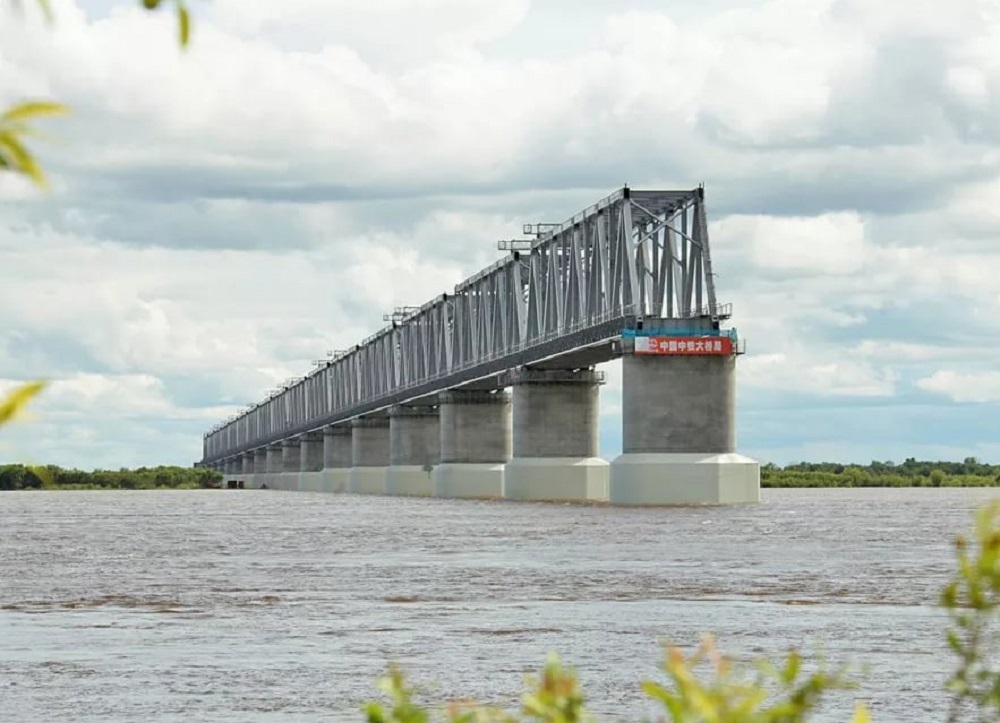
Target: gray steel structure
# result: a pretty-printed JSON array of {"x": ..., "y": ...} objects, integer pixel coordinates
[{"x": 560, "y": 300}]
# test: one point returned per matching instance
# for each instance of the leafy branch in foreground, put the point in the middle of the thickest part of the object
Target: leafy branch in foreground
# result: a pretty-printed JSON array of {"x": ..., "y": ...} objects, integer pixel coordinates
[
  {"x": 15, "y": 123},
  {"x": 15, "y": 157},
  {"x": 972, "y": 599},
  {"x": 774, "y": 695},
  {"x": 183, "y": 18},
  {"x": 14, "y": 403}
]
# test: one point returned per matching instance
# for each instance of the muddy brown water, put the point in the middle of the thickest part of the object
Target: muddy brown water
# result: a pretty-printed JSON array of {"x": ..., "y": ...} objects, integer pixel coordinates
[{"x": 264, "y": 605}]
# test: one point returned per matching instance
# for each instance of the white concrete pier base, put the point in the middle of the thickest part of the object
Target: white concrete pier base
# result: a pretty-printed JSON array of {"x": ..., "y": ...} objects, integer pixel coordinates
[
  {"x": 231, "y": 470},
  {"x": 256, "y": 480},
  {"x": 366, "y": 480},
  {"x": 337, "y": 458},
  {"x": 290, "y": 454},
  {"x": 475, "y": 444},
  {"x": 679, "y": 432},
  {"x": 469, "y": 480},
  {"x": 370, "y": 455},
  {"x": 555, "y": 415},
  {"x": 334, "y": 479},
  {"x": 684, "y": 479},
  {"x": 412, "y": 480},
  {"x": 414, "y": 449},
  {"x": 310, "y": 482},
  {"x": 272, "y": 468},
  {"x": 246, "y": 464},
  {"x": 311, "y": 462},
  {"x": 557, "y": 479}
]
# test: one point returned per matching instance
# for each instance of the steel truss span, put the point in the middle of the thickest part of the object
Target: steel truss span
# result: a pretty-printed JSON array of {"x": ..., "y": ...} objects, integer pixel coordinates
[{"x": 573, "y": 286}]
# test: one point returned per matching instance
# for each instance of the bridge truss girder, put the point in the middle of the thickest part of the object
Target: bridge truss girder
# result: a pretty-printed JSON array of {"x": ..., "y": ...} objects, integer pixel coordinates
[{"x": 631, "y": 256}]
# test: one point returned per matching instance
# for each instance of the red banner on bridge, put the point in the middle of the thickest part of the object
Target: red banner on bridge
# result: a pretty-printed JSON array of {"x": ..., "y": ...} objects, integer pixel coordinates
[{"x": 688, "y": 345}]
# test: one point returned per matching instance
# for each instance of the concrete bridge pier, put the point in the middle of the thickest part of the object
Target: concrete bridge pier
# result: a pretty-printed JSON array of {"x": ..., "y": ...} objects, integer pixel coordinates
[
  {"x": 337, "y": 457},
  {"x": 236, "y": 469},
  {"x": 273, "y": 466},
  {"x": 679, "y": 434},
  {"x": 555, "y": 437},
  {"x": 289, "y": 477},
  {"x": 414, "y": 449},
  {"x": 311, "y": 462},
  {"x": 246, "y": 469},
  {"x": 369, "y": 455},
  {"x": 475, "y": 444},
  {"x": 259, "y": 468}
]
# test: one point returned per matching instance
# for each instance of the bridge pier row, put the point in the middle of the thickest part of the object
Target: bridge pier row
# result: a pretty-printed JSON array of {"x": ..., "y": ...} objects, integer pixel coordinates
[
  {"x": 414, "y": 449},
  {"x": 337, "y": 457},
  {"x": 679, "y": 434},
  {"x": 555, "y": 437},
  {"x": 289, "y": 477},
  {"x": 369, "y": 455},
  {"x": 475, "y": 444},
  {"x": 311, "y": 462}
]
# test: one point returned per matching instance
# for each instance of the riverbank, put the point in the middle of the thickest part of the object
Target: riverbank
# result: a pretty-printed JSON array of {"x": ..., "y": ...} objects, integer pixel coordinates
[
  {"x": 911, "y": 473},
  {"x": 22, "y": 477}
]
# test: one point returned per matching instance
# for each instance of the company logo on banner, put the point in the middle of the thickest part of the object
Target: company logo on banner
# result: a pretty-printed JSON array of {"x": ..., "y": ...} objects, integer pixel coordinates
[{"x": 720, "y": 345}]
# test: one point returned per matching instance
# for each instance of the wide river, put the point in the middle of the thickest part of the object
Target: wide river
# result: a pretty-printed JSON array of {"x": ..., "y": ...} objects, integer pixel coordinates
[{"x": 246, "y": 605}]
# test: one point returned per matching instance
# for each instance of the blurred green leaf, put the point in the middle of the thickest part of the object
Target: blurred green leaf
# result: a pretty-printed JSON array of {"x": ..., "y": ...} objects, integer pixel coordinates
[
  {"x": 15, "y": 402},
  {"x": 14, "y": 126},
  {"x": 33, "y": 109},
  {"x": 184, "y": 21}
]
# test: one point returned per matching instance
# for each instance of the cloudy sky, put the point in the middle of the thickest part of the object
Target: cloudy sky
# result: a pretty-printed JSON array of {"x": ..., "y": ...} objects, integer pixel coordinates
[{"x": 219, "y": 218}]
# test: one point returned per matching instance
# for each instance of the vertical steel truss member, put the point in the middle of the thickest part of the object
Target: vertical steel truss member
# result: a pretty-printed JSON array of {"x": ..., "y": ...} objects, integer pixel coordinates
[{"x": 634, "y": 254}]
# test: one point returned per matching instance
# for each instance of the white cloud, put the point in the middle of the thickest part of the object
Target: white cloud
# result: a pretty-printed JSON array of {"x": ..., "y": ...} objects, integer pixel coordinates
[
  {"x": 803, "y": 373},
  {"x": 978, "y": 387},
  {"x": 818, "y": 245},
  {"x": 87, "y": 396},
  {"x": 899, "y": 352},
  {"x": 767, "y": 85},
  {"x": 390, "y": 31},
  {"x": 223, "y": 216}
]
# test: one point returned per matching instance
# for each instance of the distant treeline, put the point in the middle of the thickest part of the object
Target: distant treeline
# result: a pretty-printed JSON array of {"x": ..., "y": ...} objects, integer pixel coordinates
[
  {"x": 21, "y": 477},
  {"x": 911, "y": 473}
]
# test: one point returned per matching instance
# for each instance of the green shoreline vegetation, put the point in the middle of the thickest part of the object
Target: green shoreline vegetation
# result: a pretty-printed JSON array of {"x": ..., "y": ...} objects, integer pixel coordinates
[
  {"x": 50, "y": 477},
  {"x": 911, "y": 473}
]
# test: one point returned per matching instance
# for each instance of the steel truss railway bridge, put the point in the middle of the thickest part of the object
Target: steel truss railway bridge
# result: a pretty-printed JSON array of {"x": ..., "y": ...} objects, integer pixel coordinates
[{"x": 422, "y": 407}]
